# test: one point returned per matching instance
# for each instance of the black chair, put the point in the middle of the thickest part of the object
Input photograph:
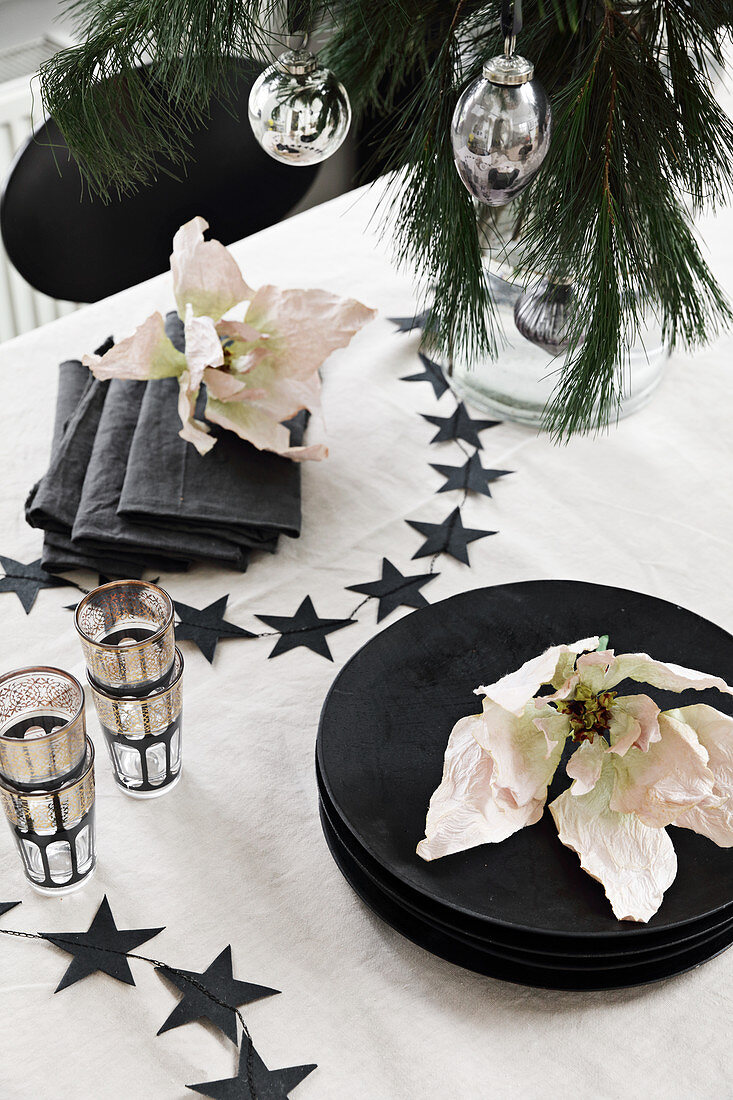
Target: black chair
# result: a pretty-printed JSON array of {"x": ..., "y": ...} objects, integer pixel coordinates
[{"x": 76, "y": 247}]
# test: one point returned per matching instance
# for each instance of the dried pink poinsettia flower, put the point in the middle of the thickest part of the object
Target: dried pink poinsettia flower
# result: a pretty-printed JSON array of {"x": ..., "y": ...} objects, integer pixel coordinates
[
  {"x": 635, "y": 771},
  {"x": 259, "y": 371}
]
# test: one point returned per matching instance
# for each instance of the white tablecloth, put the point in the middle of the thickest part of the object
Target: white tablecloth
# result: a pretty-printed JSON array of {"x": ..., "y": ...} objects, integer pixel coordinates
[{"x": 235, "y": 854}]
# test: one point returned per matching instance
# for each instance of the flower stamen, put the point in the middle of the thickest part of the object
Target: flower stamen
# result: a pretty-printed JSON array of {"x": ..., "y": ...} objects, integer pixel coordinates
[{"x": 589, "y": 713}]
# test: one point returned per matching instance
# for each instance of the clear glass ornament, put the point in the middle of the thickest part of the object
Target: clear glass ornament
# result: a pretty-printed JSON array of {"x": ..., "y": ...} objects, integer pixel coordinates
[
  {"x": 544, "y": 314},
  {"x": 298, "y": 110},
  {"x": 501, "y": 130}
]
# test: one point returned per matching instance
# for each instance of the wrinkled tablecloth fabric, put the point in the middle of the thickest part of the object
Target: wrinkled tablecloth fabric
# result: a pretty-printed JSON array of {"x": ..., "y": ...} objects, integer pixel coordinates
[{"x": 235, "y": 854}]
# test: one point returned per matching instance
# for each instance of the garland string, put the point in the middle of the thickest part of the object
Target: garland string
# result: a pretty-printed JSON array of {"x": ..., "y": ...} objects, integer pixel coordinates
[{"x": 164, "y": 966}]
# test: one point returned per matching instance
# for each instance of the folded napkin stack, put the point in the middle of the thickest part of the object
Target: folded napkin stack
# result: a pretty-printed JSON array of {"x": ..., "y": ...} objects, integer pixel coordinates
[{"x": 124, "y": 493}]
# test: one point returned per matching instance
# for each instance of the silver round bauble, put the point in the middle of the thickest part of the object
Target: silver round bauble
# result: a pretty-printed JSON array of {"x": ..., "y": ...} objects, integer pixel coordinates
[
  {"x": 544, "y": 314},
  {"x": 501, "y": 130},
  {"x": 298, "y": 110}
]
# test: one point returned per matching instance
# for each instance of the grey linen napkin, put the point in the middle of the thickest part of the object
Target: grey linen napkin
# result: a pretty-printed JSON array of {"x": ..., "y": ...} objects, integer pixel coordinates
[
  {"x": 98, "y": 528},
  {"x": 60, "y": 555},
  {"x": 53, "y": 502},
  {"x": 235, "y": 491}
]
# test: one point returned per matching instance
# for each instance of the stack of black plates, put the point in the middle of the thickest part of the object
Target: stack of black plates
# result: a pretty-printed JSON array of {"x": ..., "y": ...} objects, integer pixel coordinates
[{"x": 522, "y": 910}]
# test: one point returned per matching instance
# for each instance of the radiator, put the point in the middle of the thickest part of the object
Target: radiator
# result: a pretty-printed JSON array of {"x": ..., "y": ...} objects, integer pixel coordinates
[{"x": 21, "y": 307}]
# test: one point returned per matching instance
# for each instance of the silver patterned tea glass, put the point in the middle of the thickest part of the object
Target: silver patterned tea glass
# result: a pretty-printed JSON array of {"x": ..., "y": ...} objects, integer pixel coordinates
[
  {"x": 54, "y": 830},
  {"x": 126, "y": 633},
  {"x": 144, "y": 735},
  {"x": 42, "y": 730}
]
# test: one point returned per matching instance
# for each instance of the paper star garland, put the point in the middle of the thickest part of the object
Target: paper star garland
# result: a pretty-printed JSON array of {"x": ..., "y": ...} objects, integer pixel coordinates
[
  {"x": 27, "y": 580},
  {"x": 275, "y": 1084},
  {"x": 6, "y": 906},
  {"x": 459, "y": 425},
  {"x": 471, "y": 477},
  {"x": 407, "y": 324},
  {"x": 394, "y": 590},
  {"x": 96, "y": 949},
  {"x": 304, "y": 628},
  {"x": 218, "y": 980},
  {"x": 431, "y": 373},
  {"x": 206, "y": 625},
  {"x": 448, "y": 537}
]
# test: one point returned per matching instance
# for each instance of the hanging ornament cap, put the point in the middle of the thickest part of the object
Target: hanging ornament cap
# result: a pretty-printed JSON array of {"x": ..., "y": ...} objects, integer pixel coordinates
[
  {"x": 508, "y": 70},
  {"x": 297, "y": 62}
]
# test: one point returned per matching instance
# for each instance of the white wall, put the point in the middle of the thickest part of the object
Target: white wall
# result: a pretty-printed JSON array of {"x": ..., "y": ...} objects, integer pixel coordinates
[{"x": 21, "y": 20}]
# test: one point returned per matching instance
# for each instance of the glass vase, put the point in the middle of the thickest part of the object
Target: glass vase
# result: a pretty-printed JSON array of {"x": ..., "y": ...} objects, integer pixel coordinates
[{"x": 520, "y": 381}]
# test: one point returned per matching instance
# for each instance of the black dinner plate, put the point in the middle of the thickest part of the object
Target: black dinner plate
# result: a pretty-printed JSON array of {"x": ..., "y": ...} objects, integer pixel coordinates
[
  {"x": 590, "y": 953},
  {"x": 484, "y": 961},
  {"x": 515, "y": 939},
  {"x": 387, "y": 719},
  {"x": 589, "y": 962}
]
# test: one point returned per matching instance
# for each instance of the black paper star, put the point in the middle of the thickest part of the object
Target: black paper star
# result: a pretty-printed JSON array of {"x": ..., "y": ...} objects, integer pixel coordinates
[
  {"x": 471, "y": 476},
  {"x": 98, "y": 948},
  {"x": 219, "y": 980},
  {"x": 407, "y": 324},
  {"x": 448, "y": 537},
  {"x": 459, "y": 426},
  {"x": 6, "y": 906},
  {"x": 206, "y": 625},
  {"x": 395, "y": 590},
  {"x": 27, "y": 580},
  {"x": 269, "y": 1084},
  {"x": 432, "y": 373},
  {"x": 304, "y": 628}
]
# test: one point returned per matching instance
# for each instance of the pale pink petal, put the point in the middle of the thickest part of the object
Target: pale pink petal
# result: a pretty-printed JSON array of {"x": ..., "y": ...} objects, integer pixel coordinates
[
  {"x": 249, "y": 423},
  {"x": 515, "y": 689},
  {"x": 554, "y": 725},
  {"x": 259, "y": 429},
  {"x": 669, "y": 778},
  {"x": 634, "y": 863},
  {"x": 203, "y": 347},
  {"x": 585, "y": 765},
  {"x": 193, "y": 431},
  {"x": 246, "y": 346},
  {"x": 148, "y": 353},
  {"x": 239, "y": 332},
  {"x": 230, "y": 387},
  {"x": 305, "y": 326},
  {"x": 642, "y": 668},
  {"x": 205, "y": 274},
  {"x": 311, "y": 452},
  {"x": 463, "y": 811},
  {"x": 713, "y": 817},
  {"x": 524, "y": 760},
  {"x": 284, "y": 398},
  {"x": 592, "y": 669},
  {"x": 287, "y": 396},
  {"x": 634, "y": 721}
]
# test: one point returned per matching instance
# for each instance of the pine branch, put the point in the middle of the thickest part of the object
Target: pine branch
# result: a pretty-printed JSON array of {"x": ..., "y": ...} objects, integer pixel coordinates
[
  {"x": 142, "y": 78},
  {"x": 639, "y": 142}
]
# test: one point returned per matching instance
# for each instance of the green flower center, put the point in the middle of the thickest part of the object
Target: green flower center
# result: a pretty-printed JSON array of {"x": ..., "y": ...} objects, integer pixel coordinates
[{"x": 589, "y": 713}]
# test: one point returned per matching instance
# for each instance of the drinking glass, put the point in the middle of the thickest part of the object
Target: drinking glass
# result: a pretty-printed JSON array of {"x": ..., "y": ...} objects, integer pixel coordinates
[
  {"x": 54, "y": 830},
  {"x": 126, "y": 633},
  {"x": 42, "y": 730},
  {"x": 143, "y": 735}
]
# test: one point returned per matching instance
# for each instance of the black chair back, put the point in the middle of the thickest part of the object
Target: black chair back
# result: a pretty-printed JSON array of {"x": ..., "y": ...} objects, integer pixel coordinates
[{"x": 76, "y": 247}]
